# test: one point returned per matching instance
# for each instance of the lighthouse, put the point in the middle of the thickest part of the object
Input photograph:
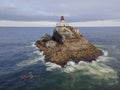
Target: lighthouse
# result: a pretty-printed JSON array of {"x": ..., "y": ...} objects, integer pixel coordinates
[
  {"x": 62, "y": 19},
  {"x": 62, "y": 22}
]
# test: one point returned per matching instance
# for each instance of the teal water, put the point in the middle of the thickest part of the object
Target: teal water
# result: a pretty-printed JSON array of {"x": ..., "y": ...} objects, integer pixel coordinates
[{"x": 19, "y": 56}]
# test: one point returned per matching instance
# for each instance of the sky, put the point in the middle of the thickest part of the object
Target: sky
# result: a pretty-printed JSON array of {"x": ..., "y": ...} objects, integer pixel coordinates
[{"x": 40, "y": 12}]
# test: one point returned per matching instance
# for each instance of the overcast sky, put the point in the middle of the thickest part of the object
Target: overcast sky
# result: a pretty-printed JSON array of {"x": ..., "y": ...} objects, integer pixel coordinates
[{"x": 51, "y": 10}]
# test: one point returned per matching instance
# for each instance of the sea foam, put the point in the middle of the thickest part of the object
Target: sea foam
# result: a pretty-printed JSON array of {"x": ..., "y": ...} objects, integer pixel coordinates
[
  {"x": 34, "y": 60},
  {"x": 72, "y": 66},
  {"x": 96, "y": 68}
]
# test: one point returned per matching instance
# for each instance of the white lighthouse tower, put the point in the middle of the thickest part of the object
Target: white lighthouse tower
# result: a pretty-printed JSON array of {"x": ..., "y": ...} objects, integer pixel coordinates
[{"x": 62, "y": 22}]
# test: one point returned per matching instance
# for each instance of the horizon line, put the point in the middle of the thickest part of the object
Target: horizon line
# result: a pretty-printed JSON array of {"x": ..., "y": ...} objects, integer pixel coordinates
[{"x": 97, "y": 23}]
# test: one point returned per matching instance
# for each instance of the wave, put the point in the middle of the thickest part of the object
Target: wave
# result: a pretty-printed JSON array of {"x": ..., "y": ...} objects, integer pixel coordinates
[
  {"x": 96, "y": 68},
  {"x": 33, "y": 44},
  {"x": 34, "y": 60},
  {"x": 52, "y": 66},
  {"x": 105, "y": 52},
  {"x": 38, "y": 52},
  {"x": 29, "y": 62},
  {"x": 71, "y": 66}
]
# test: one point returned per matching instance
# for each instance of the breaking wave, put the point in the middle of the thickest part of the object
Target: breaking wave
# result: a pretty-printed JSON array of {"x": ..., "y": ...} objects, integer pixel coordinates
[
  {"x": 72, "y": 66},
  {"x": 97, "y": 68},
  {"x": 34, "y": 60}
]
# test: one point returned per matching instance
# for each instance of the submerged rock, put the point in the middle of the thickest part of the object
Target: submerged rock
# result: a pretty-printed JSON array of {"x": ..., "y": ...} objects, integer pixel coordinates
[{"x": 67, "y": 44}]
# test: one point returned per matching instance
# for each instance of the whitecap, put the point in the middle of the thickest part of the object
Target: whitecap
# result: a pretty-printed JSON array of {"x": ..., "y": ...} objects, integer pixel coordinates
[
  {"x": 27, "y": 62},
  {"x": 105, "y": 52},
  {"x": 96, "y": 68},
  {"x": 38, "y": 52},
  {"x": 33, "y": 44},
  {"x": 52, "y": 66},
  {"x": 34, "y": 60}
]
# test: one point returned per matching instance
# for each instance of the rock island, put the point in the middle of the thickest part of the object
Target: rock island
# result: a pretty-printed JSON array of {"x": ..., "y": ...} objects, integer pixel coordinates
[{"x": 67, "y": 44}]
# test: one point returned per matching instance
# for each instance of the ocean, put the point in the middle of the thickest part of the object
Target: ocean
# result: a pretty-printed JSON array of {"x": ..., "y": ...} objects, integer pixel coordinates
[{"x": 19, "y": 57}]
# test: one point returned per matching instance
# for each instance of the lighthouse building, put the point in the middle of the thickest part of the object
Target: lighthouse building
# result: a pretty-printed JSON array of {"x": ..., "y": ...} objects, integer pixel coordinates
[{"x": 62, "y": 22}]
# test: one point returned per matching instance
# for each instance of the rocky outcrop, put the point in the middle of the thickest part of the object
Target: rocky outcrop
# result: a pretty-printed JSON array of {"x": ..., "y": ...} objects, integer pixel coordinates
[{"x": 67, "y": 44}]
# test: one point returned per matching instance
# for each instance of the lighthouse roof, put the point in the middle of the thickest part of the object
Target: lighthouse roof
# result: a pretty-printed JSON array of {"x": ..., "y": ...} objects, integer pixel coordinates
[{"x": 62, "y": 17}]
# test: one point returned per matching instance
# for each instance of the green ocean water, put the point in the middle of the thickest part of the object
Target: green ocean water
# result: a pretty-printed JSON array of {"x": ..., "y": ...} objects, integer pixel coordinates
[{"x": 19, "y": 56}]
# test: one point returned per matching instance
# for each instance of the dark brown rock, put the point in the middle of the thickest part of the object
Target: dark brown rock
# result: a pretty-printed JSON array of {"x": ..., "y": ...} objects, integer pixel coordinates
[{"x": 66, "y": 44}]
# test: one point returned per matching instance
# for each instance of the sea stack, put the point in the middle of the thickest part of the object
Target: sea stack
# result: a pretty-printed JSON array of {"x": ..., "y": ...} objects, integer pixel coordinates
[{"x": 67, "y": 44}]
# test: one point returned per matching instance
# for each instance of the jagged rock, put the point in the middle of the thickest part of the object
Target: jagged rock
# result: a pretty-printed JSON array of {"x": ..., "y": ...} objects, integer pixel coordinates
[
  {"x": 45, "y": 38},
  {"x": 66, "y": 44},
  {"x": 51, "y": 44}
]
